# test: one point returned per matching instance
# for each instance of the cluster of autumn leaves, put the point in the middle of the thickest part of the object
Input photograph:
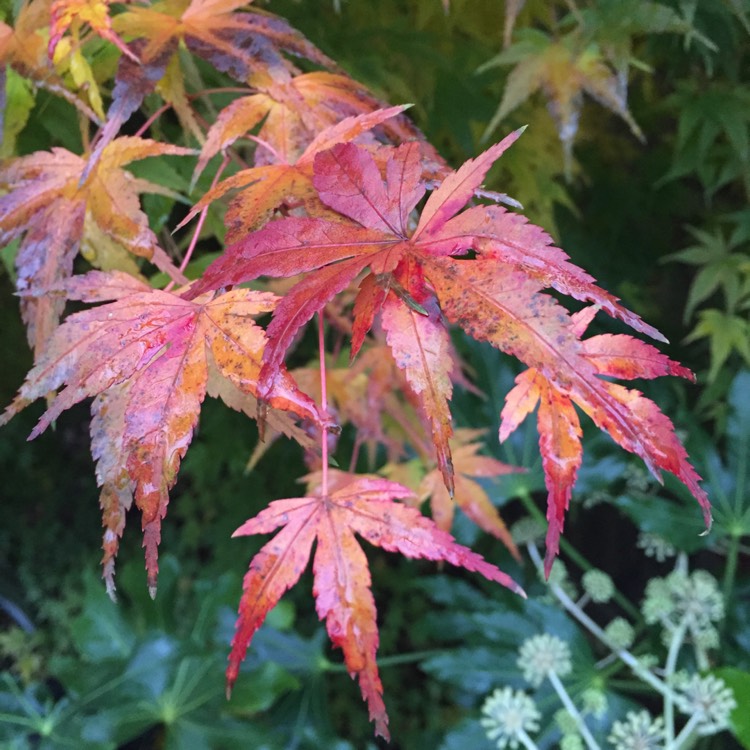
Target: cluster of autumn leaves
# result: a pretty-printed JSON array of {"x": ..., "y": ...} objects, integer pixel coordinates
[{"x": 345, "y": 212}]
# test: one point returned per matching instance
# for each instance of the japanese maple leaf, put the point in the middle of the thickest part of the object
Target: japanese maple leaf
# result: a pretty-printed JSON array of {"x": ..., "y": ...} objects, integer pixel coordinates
[
  {"x": 23, "y": 46},
  {"x": 67, "y": 13},
  {"x": 234, "y": 42},
  {"x": 412, "y": 281},
  {"x": 265, "y": 188},
  {"x": 292, "y": 113},
  {"x": 341, "y": 579},
  {"x": 650, "y": 433},
  {"x": 145, "y": 358},
  {"x": 54, "y": 211},
  {"x": 564, "y": 69},
  {"x": 469, "y": 495}
]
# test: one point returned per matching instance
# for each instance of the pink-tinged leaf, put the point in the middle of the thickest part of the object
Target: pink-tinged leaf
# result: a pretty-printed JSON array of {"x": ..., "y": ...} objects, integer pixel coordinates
[
  {"x": 288, "y": 247},
  {"x": 361, "y": 505},
  {"x": 145, "y": 358},
  {"x": 624, "y": 357},
  {"x": 56, "y": 211},
  {"x": 343, "y": 599},
  {"x": 348, "y": 181},
  {"x": 498, "y": 233},
  {"x": 458, "y": 188},
  {"x": 421, "y": 348},
  {"x": 582, "y": 319},
  {"x": 348, "y": 129},
  {"x": 404, "y": 183},
  {"x": 503, "y": 307},
  {"x": 657, "y": 445},
  {"x": 560, "y": 446},
  {"x": 116, "y": 497},
  {"x": 493, "y": 302},
  {"x": 274, "y": 570},
  {"x": 45, "y": 259}
]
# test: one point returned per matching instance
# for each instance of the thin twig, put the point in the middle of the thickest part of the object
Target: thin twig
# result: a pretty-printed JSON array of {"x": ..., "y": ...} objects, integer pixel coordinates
[{"x": 198, "y": 226}]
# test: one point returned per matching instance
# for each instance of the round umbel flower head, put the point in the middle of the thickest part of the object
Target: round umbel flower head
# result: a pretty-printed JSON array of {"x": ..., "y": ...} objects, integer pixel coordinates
[
  {"x": 639, "y": 731},
  {"x": 708, "y": 699},
  {"x": 707, "y": 638},
  {"x": 508, "y": 716},
  {"x": 694, "y": 598},
  {"x": 542, "y": 654},
  {"x": 598, "y": 585},
  {"x": 620, "y": 632}
]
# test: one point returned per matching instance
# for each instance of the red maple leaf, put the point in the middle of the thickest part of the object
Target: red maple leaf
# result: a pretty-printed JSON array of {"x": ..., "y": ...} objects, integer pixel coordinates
[
  {"x": 341, "y": 578},
  {"x": 630, "y": 418},
  {"x": 146, "y": 358},
  {"x": 416, "y": 281},
  {"x": 267, "y": 187}
]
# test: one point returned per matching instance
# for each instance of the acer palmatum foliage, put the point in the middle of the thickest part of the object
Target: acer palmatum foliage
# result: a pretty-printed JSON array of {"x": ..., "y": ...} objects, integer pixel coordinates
[{"x": 345, "y": 211}]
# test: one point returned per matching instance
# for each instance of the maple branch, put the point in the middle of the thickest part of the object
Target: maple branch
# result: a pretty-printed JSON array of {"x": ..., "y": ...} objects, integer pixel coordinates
[
  {"x": 198, "y": 226},
  {"x": 155, "y": 116},
  {"x": 323, "y": 404},
  {"x": 267, "y": 146},
  {"x": 355, "y": 453}
]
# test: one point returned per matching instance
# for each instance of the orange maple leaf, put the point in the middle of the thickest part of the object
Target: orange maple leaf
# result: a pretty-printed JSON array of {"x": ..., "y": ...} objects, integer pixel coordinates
[
  {"x": 67, "y": 13},
  {"x": 341, "y": 579},
  {"x": 146, "y": 358},
  {"x": 56, "y": 211},
  {"x": 267, "y": 187},
  {"x": 292, "y": 113},
  {"x": 468, "y": 495},
  {"x": 239, "y": 43}
]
